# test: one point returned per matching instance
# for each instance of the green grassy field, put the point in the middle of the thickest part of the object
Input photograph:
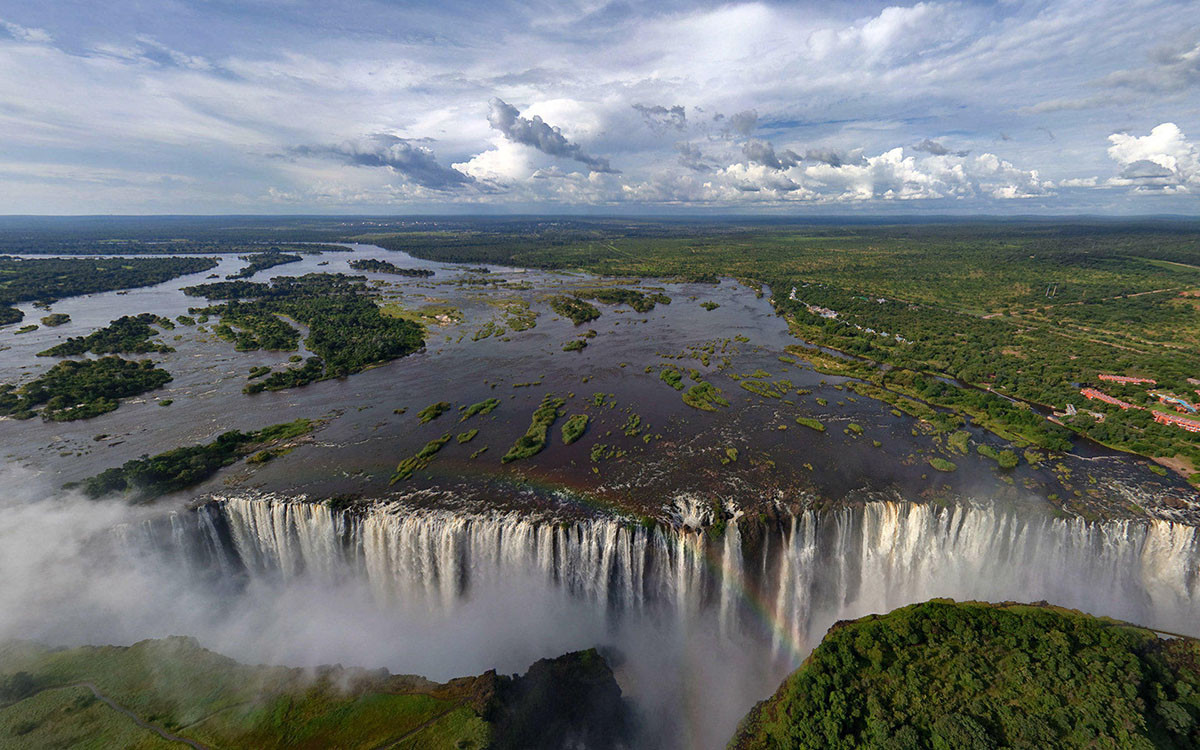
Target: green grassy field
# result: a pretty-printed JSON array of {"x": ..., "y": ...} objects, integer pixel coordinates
[{"x": 174, "y": 687}]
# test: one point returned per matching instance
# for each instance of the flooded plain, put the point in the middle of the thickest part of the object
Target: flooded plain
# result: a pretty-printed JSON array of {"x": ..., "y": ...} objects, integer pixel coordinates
[{"x": 643, "y": 444}]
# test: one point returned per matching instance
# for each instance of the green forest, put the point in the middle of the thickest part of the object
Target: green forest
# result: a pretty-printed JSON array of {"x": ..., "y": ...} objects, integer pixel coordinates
[
  {"x": 129, "y": 334},
  {"x": 81, "y": 389},
  {"x": 346, "y": 330},
  {"x": 45, "y": 280},
  {"x": 977, "y": 676},
  {"x": 151, "y": 476}
]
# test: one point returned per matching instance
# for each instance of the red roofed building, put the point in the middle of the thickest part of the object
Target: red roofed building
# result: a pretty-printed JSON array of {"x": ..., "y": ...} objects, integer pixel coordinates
[
  {"x": 1101, "y": 396},
  {"x": 1191, "y": 425},
  {"x": 1128, "y": 380}
]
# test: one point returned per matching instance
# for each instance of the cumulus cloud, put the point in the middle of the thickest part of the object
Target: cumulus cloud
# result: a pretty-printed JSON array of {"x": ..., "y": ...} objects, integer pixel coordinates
[
  {"x": 660, "y": 118},
  {"x": 415, "y": 162},
  {"x": 1163, "y": 160},
  {"x": 539, "y": 134},
  {"x": 891, "y": 175}
]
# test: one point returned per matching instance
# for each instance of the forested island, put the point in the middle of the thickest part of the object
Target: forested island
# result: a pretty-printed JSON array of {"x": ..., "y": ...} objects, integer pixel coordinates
[
  {"x": 383, "y": 266},
  {"x": 977, "y": 675},
  {"x": 81, "y": 389},
  {"x": 129, "y": 334},
  {"x": 346, "y": 329},
  {"x": 262, "y": 261},
  {"x": 147, "y": 478},
  {"x": 45, "y": 280}
]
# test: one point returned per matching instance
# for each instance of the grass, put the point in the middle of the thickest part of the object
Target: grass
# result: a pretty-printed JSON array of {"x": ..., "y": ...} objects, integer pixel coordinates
[
  {"x": 466, "y": 437},
  {"x": 671, "y": 377},
  {"x": 1006, "y": 459},
  {"x": 487, "y": 406},
  {"x": 186, "y": 690},
  {"x": 534, "y": 439},
  {"x": 433, "y": 411},
  {"x": 574, "y": 428},
  {"x": 958, "y": 442},
  {"x": 420, "y": 460},
  {"x": 704, "y": 396},
  {"x": 942, "y": 464},
  {"x": 812, "y": 424}
]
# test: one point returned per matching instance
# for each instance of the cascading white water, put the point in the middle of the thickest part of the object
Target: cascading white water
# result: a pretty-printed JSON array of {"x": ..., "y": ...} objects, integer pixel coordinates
[{"x": 803, "y": 575}]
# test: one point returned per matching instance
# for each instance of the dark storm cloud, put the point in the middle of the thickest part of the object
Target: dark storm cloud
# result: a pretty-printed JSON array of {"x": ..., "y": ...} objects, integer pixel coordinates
[
  {"x": 762, "y": 152},
  {"x": 1147, "y": 173},
  {"x": 826, "y": 156},
  {"x": 691, "y": 157},
  {"x": 415, "y": 162},
  {"x": 743, "y": 123},
  {"x": 540, "y": 135},
  {"x": 659, "y": 118},
  {"x": 937, "y": 149}
]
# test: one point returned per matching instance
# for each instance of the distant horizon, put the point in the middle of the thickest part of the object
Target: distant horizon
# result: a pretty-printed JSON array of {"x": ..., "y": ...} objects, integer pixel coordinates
[{"x": 858, "y": 218}]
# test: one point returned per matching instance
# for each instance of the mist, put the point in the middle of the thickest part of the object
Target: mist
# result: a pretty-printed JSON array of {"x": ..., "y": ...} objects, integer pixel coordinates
[
  {"x": 440, "y": 594},
  {"x": 72, "y": 574}
]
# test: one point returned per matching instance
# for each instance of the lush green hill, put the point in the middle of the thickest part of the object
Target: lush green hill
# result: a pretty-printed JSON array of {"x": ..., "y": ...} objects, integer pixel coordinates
[
  {"x": 130, "y": 697},
  {"x": 975, "y": 675}
]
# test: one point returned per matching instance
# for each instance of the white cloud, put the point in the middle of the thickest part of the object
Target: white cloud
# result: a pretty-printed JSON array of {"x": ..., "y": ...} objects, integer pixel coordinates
[
  {"x": 1162, "y": 160},
  {"x": 25, "y": 33},
  {"x": 836, "y": 88}
]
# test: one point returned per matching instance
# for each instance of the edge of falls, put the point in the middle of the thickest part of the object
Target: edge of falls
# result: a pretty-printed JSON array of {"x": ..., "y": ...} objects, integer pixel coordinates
[{"x": 786, "y": 579}]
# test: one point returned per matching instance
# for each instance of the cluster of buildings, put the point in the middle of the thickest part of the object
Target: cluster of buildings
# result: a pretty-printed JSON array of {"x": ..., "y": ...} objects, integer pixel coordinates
[
  {"x": 1126, "y": 380},
  {"x": 1090, "y": 393},
  {"x": 1181, "y": 405},
  {"x": 1191, "y": 425},
  {"x": 825, "y": 312}
]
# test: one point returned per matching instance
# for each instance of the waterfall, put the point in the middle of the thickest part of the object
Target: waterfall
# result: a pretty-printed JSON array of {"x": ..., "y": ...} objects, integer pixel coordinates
[{"x": 805, "y": 572}]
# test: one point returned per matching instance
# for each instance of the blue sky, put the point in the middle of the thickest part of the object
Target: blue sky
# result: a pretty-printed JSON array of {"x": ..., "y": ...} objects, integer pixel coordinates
[{"x": 284, "y": 106}]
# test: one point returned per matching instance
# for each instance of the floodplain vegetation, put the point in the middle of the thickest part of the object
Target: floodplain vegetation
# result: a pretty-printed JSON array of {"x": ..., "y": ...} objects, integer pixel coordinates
[
  {"x": 534, "y": 439},
  {"x": 256, "y": 262},
  {"x": 573, "y": 308},
  {"x": 180, "y": 468},
  {"x": 45, "y": 280},
  {"x": 383, "y": 266},
  {"x": 346, "y": 330},
  {"x": 996, "y": 323},
  {"x": 81, "y": 389},
  {"x": 129, "y": 334}
]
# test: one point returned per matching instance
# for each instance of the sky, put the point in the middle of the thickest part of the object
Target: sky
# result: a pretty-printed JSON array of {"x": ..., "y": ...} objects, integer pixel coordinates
[{"x": 366, "y": 106}]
